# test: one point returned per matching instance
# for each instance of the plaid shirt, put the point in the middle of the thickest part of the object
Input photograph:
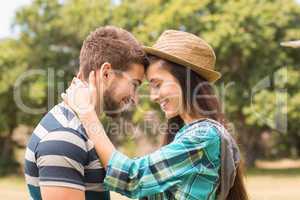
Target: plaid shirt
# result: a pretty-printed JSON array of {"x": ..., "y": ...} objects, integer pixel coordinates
[{"x": 187, "y": 168}]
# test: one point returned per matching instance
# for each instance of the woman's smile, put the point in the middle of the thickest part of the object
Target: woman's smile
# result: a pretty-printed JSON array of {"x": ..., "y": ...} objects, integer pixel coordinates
[
  {"x": 175, "y": 85},
  {"x": 163, "y": 104}
]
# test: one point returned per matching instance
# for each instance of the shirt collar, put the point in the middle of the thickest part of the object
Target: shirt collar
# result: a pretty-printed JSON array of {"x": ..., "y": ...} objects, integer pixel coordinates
[{"x": 186, "y": 126}]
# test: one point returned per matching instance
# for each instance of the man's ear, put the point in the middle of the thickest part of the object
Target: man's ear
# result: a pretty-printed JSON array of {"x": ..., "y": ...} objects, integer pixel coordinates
[{"x": 105, "y": 72}]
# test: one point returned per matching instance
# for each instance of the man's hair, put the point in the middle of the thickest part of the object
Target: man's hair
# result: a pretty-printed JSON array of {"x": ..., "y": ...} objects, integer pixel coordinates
[{"x": 113, "y": 45}]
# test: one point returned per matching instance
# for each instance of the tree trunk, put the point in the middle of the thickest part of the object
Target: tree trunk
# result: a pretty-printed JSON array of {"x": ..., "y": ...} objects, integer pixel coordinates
[
  {"x": 7, "y": 152},
  {"x": 251, "y": 154},
  {"x": 249, "y": 139},
  {"x": 8, "y": 162}
]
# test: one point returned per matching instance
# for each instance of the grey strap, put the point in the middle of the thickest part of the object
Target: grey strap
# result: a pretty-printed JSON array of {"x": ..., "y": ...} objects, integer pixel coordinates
[{"x": 230, "y": 159}]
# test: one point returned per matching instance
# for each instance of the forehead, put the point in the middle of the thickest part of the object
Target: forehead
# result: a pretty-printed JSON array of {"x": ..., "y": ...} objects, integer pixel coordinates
[
  {"x": 158, "y": 71},
  {"x": 135, "y": 71}
]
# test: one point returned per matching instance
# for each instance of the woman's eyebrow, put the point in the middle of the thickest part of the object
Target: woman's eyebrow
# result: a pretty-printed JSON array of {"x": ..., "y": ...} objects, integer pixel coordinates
[
  {"x": 138, "y": 81},
  {"x": 153, "y": 80}
]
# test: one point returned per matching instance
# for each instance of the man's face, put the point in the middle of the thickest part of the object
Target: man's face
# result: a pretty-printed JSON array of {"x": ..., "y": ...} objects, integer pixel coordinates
[{"x": 122, "y": 92}]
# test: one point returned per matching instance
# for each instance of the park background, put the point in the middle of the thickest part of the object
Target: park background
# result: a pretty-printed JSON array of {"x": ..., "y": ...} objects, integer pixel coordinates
[{"x": 261, "y": 78}]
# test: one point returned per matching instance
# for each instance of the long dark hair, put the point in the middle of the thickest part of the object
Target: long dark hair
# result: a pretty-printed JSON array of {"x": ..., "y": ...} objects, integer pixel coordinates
[{"x": 193, "y": 85}]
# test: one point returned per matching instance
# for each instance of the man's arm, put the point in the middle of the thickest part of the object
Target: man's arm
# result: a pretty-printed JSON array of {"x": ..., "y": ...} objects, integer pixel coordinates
[
  {"x": 61, "y": 193},
  {"x": 60, "y": 158}
]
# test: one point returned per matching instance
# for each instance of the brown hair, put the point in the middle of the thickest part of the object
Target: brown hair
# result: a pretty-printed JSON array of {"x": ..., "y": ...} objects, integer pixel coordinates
[
  {"x": 113, "y": 45},
  {"x": 193, "y": 84}
]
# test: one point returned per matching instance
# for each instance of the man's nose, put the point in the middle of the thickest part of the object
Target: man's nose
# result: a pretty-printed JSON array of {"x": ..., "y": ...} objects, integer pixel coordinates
[{"x": 154, "y": 96}]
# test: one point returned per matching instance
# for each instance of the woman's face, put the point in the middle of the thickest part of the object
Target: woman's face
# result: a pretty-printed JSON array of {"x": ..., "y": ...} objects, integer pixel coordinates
[{"x": 165, "y": 89}]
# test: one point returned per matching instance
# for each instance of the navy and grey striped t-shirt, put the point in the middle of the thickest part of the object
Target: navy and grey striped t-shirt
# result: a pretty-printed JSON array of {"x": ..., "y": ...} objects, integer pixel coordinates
[{"x": 60, "y": 154}]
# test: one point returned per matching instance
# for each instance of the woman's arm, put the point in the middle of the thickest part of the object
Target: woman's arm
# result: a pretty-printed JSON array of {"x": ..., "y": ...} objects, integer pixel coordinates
[
  {"x": 81, "y": 97},
  {"x": 96, "y": 133},
  {"x": 166, "y": 167},
  {"x": 158, "y": 171}
]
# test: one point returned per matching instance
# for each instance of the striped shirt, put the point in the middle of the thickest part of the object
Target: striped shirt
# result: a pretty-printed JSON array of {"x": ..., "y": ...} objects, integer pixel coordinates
[
  {"x": 187, "y": 168},
  {"x": 60, "y": 154}
]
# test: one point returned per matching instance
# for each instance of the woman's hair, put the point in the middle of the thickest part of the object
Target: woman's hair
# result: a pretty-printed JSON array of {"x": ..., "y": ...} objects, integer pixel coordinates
[{"x": 199, "y": 100}]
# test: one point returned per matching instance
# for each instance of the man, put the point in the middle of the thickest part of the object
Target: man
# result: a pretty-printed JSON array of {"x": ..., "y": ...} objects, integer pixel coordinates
[{"x": 60, "y": 161}]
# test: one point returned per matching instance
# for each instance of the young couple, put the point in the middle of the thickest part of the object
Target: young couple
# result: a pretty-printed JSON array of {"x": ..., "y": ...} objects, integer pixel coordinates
[{"x": 69, "y": 155}]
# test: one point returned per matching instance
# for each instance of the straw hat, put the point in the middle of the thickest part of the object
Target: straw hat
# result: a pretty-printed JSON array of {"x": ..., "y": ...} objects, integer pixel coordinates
[
  {"x": 293, "y": 44},
  {"x": 187, "y": 50}
]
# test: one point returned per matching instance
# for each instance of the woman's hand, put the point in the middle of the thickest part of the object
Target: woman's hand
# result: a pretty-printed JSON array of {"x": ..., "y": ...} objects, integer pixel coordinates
[{"x": 82, "y": 96}]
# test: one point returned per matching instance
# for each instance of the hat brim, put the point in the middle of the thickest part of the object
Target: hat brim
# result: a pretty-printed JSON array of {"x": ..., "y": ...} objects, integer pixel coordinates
[{"x": 209, "y": 75}]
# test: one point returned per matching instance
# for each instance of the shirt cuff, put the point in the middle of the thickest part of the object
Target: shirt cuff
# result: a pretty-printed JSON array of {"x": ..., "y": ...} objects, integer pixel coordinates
[
  {"x": 62, "y": 184},
  {"x": 117, "y": 163}
]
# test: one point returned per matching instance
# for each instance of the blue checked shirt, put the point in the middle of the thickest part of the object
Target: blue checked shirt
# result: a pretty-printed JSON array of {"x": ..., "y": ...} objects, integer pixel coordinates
[{"x": 186, "y": 169}]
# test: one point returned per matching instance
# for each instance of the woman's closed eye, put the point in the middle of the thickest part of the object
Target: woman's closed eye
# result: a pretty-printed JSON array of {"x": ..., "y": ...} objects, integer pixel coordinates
[{"x": 156, "y": 84}]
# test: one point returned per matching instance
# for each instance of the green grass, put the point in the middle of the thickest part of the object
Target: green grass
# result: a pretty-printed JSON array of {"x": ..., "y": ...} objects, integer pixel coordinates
[
  {"x": 262, "y": 184},
  {"x": 273, "y": 184},
  {"x": 14, "y": 188},
  {"x": 277, "y": 172}
]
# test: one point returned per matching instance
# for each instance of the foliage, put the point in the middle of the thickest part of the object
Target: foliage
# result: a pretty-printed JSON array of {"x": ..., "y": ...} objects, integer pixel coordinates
[{"x": 245, "y": 35}]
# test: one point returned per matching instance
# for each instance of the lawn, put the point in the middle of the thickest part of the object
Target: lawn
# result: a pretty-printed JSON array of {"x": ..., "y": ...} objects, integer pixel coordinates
[
  {"x": 273, "y": 184},
  {"x": 14, "y": 188},
  {"x": 262, "y": 184}
]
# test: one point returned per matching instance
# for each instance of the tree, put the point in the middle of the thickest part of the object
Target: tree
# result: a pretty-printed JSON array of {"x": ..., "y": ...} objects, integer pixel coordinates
[
  {"x": 45, "y": 56},
  {"x": 245, "y": 35},
  {"x": 11, "y": 65},
  {"x": 276, "y": 109}
]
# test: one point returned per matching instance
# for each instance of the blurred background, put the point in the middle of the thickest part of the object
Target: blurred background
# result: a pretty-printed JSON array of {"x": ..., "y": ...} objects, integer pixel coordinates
[{"x": 40, "y": 42}]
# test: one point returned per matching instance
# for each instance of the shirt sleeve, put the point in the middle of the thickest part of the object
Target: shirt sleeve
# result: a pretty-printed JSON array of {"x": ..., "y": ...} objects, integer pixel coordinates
[
  {"x": 160, "y": 170},
  {"x": 60, "y": 158}
]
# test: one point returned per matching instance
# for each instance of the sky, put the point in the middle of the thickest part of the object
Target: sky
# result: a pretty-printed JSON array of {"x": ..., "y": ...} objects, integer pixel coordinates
[{"x": 7, "y": 11}]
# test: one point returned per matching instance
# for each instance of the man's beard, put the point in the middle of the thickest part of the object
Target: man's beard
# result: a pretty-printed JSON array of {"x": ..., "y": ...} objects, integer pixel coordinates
[{"x": 111, "y": 107}]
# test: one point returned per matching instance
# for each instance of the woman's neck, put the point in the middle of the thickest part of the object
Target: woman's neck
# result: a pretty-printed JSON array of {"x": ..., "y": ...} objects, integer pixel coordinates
[{"x": 188, "y": 118}]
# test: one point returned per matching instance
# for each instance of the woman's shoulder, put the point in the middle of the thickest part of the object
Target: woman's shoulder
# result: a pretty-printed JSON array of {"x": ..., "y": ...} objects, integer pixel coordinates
[
  {"x": 203, "y": 129},
  {"x": 205, "y": 135}
]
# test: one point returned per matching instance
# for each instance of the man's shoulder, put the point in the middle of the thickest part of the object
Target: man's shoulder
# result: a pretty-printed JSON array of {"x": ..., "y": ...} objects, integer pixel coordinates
[
  {"x": 59, "y": 153},
  {"x": 59, "y": 117},
  {"x": 58, "y": 125}
]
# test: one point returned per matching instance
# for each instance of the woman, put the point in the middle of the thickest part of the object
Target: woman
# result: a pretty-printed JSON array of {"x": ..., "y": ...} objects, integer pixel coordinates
[{"x": 199, "y": 159}]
